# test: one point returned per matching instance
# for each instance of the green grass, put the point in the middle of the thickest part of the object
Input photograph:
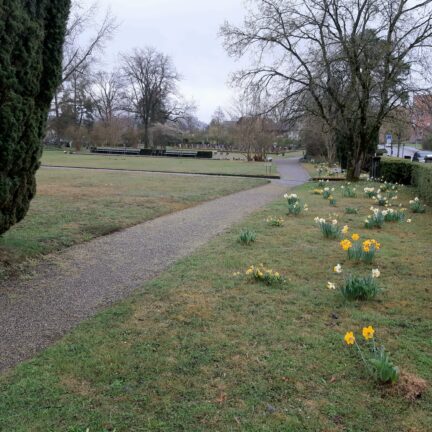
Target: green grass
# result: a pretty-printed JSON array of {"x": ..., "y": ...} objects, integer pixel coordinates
[
  {"x": 201, "y": 350},
  {"x": 180, "y": 165},
  {"x": 75, "y": 206}
]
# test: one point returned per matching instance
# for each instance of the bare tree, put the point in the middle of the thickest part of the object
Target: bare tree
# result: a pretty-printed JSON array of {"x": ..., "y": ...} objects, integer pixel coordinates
[
  {"x": 106, "y": 93},
  {"x": 348, "y": 62},
  {"x": 76, "y": 52},
  {"x": 78, "y": 56},
  {"x": 254, "y": 132},
  {"x": 217, "y": 128},
  {"x": 151, "y": 89}
]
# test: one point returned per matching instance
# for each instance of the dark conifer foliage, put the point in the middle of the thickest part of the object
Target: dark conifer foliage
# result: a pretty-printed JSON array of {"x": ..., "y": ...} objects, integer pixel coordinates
[{"x": 31, "y": 38}]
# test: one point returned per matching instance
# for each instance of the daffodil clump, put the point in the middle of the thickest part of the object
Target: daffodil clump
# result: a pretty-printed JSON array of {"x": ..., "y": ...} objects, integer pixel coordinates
[
  {"x": 369, "y": 192},
  {"x": 358, "y": 250},
  {"x": 391, "y": 215},
  {"x": 376, "y": 359},
  {"x": 332, "y": 200},
  {"x": 318, "y": 191},
  {"x": 351, "y": 210},
  {"x": 329, "y": 228},
  {"x": 294, "y": 205},
  {"x": 381, "y": 200},
  {"x": 348, "y": 191},
  {"x": 275, "y": 221},
  {"x": 361, "y": 287},
  {"x": 322, "y": 169},
  {"x": 247, "y": 236},
  {"x": 327, "y": 192},
  {"x": 262, "y": 274},
  {"x": 416, "y": 206},
  {"x": 376, "y": 219}
]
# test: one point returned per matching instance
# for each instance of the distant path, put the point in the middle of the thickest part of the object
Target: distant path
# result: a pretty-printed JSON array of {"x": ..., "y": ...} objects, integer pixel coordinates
[{"x": 75, "y": 284}]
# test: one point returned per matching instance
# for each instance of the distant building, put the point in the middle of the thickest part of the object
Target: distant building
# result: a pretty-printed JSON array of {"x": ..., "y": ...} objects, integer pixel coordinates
[{"x": 421, "y": 117}]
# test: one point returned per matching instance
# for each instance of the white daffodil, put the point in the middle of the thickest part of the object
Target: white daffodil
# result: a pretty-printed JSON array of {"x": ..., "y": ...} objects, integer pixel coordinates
[
  {"x": 337, "y": 268},
  {"x": 409, "y": 221},
  {"x": 376, "y": 273},
  {"x": 331, "y": 285}
]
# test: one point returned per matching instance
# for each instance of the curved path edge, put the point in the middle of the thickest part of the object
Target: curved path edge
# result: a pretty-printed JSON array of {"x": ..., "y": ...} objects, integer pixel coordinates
[{"x": 75, "y": 284}]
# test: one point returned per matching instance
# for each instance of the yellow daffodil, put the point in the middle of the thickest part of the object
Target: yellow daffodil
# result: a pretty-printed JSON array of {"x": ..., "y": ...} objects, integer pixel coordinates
[
  {"x": 368, "y": 332},
  {"x": 345, "y": 244},
  {"x": 345, "y": 229},
  {"x": 355, "y": 237},
  {"x": 349, "y": 338}
]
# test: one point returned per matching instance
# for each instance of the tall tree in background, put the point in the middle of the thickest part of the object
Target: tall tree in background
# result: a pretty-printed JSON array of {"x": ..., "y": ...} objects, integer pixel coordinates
[
  {"x": 31, "y": 40},
  {"x": 152, "y": 95},
  {"x": 71, "y": 99},
  {"x": 350, "y": 63}
]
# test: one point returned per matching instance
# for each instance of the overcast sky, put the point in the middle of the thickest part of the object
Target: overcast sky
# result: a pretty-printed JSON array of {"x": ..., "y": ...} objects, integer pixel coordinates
[{"x": 186, "y": 30}]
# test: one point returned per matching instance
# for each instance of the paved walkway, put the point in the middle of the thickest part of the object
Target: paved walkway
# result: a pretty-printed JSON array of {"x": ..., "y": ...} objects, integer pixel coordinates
[{"x": 75, "y": 284}]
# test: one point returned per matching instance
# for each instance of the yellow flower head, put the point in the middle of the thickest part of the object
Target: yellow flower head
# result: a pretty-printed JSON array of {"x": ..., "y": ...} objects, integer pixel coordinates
[
  {"x": 349, "y": 338},
  {"x": 355, "y": 237},
  {"x": 346, "y": 244},
  {"x": 345, "y": 229},
  {"x": 368, "y": 332}
]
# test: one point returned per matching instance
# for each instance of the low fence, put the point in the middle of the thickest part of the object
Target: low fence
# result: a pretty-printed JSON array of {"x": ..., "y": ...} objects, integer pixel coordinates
[{"x": 199, "y": 154}]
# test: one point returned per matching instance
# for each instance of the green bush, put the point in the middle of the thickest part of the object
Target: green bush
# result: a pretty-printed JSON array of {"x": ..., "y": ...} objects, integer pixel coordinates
[
  {"x": 411, "y": 173},
  {"x": 31, "y": 39},
  {"x": 395, "y": 170},
  {"x": 422, "y": 180}
]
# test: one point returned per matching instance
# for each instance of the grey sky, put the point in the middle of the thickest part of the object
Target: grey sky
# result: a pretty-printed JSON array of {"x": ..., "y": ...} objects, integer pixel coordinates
[{"x": 187, "y": 31}]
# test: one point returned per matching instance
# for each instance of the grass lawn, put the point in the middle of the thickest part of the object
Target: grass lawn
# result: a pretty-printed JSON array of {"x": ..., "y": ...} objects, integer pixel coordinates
[
  {"x": 181, "y": 165},
  {"x": 73, "y": 206},
  {"x": 202, "y": 350}
]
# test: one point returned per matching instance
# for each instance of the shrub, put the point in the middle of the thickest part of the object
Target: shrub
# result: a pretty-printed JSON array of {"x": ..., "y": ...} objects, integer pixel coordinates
[
  {"x": 412, "y": 173},
  {"x": 32, "y": 35},
  {"x": 422, "y": 180},
  {"x": 247, "y": 236},
  {"x": 396, "y": 170}
]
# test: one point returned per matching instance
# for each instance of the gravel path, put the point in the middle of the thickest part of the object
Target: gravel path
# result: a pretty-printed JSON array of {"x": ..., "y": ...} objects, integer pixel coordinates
[{"x": 73, "y": 285}]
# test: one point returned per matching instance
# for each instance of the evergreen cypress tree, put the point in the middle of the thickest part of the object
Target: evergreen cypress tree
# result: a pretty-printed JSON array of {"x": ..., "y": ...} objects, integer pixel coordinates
[{"x": 31, "y": 39}]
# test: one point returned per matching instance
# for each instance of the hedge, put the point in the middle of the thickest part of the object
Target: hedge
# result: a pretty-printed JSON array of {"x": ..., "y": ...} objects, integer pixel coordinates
[
  {"x": 422, "y": 180},
  {"x": 406, "y": 172}
]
